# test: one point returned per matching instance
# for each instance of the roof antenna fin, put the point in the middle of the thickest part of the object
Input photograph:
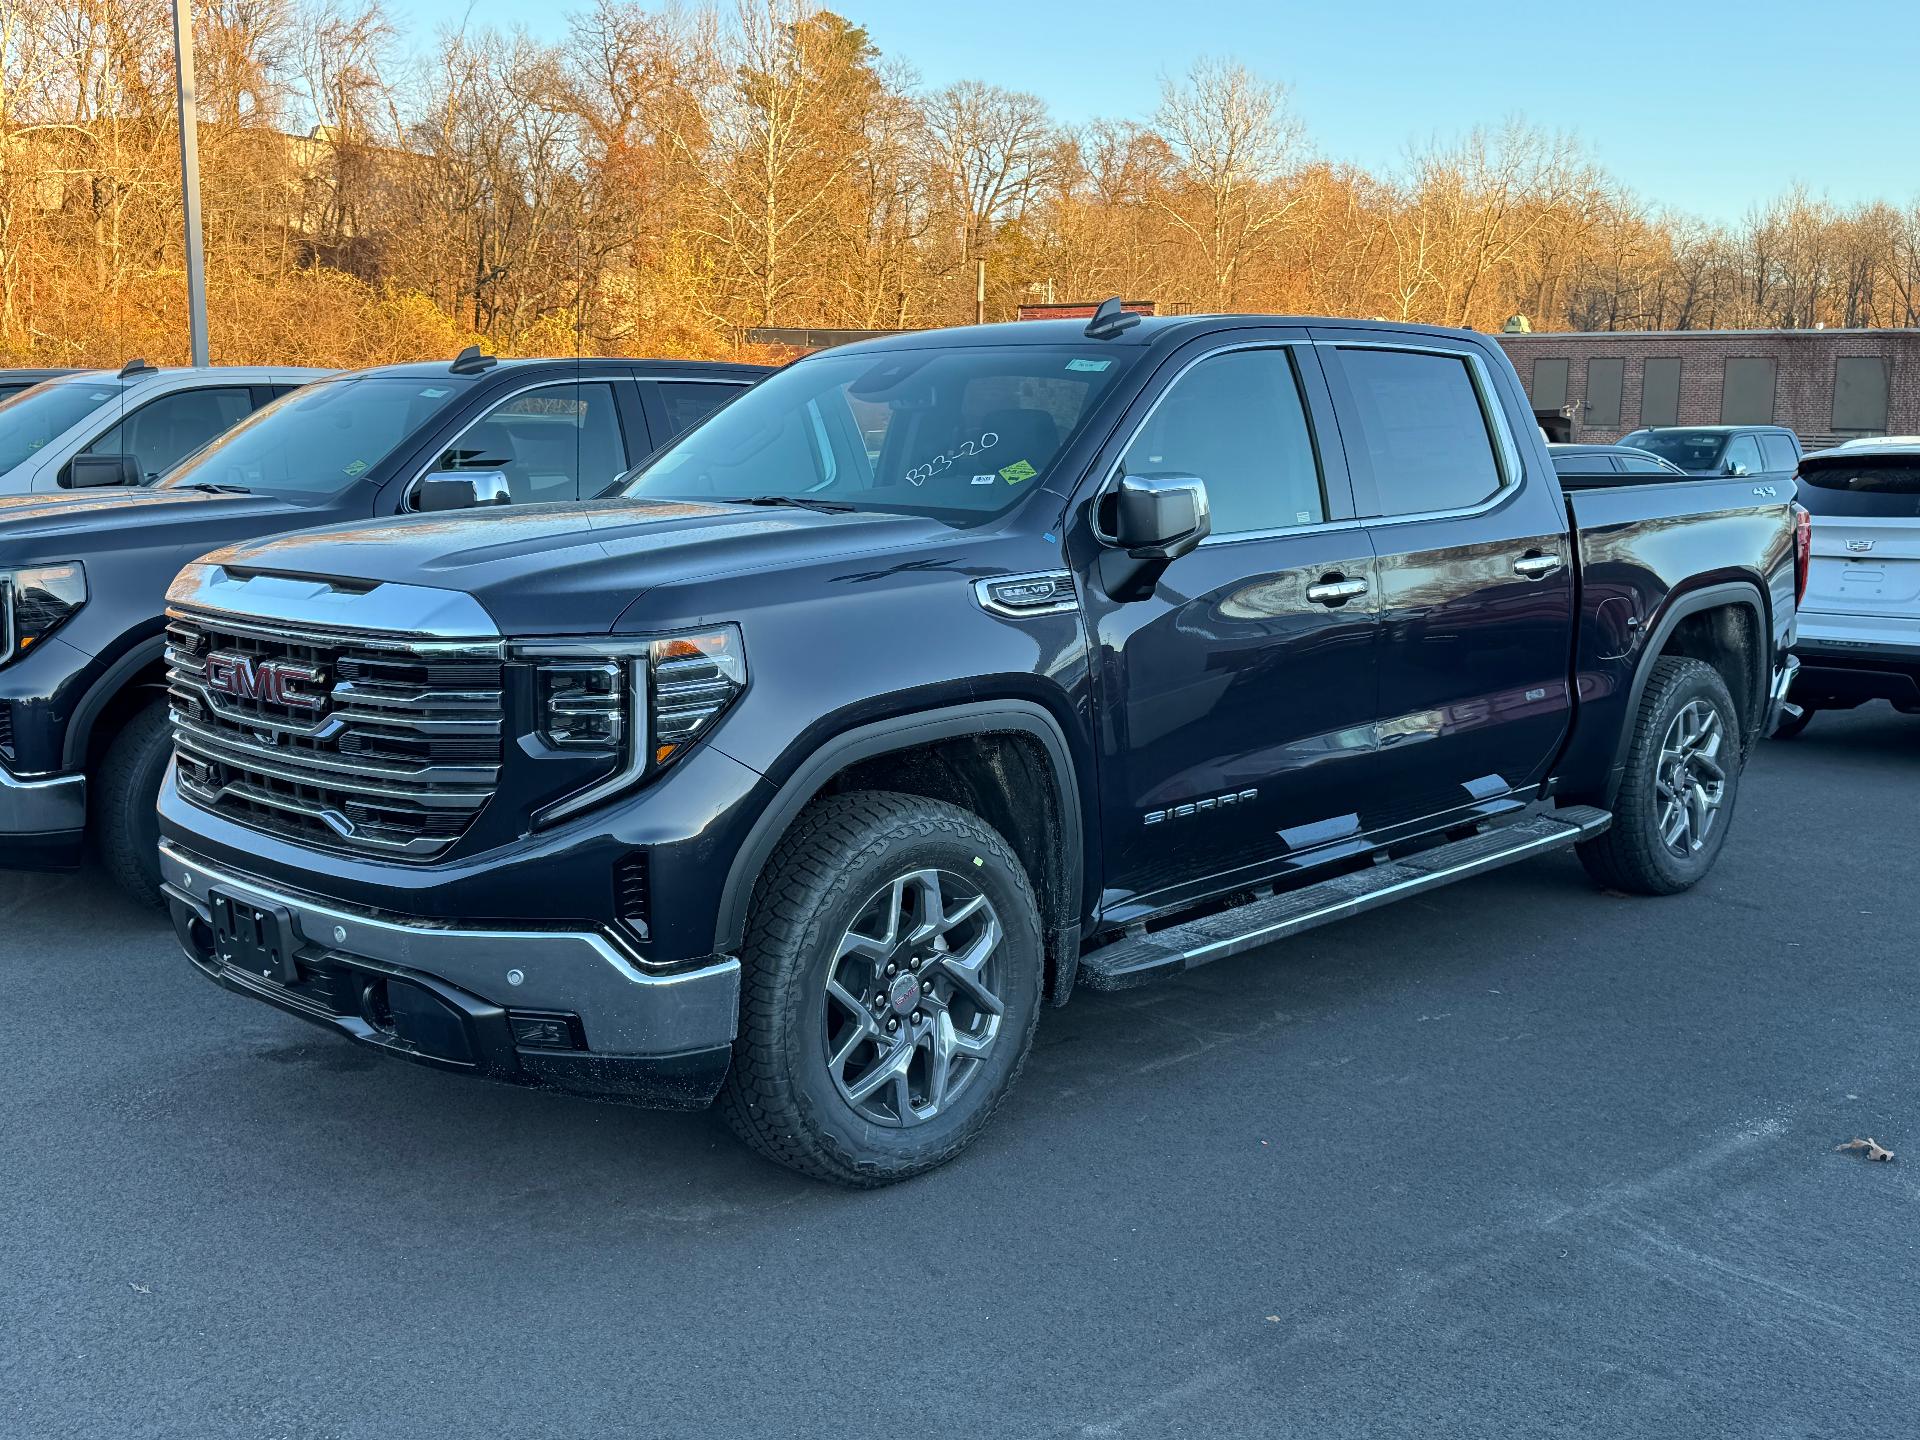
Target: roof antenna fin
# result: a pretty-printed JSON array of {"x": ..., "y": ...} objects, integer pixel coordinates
[
  {"x": 1111, "y": 319},
  {"x": 471, "y": 361}
]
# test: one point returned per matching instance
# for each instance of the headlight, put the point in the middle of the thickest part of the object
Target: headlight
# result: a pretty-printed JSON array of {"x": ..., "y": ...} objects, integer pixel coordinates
[
  {"x": 35, "y": 601},
  {"x": 640, "y": 703}
]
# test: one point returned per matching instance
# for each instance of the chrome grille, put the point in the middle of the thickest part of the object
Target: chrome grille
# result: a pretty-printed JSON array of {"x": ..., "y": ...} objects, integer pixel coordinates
[{"x": 383, "y": 747}]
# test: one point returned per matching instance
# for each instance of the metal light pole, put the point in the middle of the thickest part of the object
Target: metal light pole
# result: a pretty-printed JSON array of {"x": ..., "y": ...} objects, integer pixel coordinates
[{"x": 188, "y": 103}]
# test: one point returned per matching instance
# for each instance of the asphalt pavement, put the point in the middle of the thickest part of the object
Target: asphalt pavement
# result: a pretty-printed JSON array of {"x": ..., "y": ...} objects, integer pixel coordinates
[{"x": 1518, "y": 1159}]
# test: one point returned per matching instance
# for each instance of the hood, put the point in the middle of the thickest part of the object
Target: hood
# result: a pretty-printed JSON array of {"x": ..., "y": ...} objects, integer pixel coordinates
[
  {"x": 573, "y": 568},
  {"x": 86, "y": 522}
]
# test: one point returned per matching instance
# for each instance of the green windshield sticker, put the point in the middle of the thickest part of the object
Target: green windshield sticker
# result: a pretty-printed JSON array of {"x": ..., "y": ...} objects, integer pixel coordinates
[
  {"x": 433, "y": 394},
  {"x": 357, "y": 467},
  {"x": 1020, "y": 470},
  {"x": 1096, "y": 366}
]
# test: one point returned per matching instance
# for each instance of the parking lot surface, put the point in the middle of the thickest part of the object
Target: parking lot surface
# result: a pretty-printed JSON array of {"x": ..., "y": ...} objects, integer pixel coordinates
[{"x": 1522, "y": 1159}]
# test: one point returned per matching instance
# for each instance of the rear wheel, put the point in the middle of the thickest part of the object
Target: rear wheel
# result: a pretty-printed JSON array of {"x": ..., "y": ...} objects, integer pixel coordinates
[
  {"x": 126, "y": 798},
  {"x": 890, "y": 988},
  {"x": 1676, "y": 799}
]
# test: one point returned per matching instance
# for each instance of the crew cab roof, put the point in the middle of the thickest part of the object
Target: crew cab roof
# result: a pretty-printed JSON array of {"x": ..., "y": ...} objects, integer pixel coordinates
[{"x": 1151, "y": 330}]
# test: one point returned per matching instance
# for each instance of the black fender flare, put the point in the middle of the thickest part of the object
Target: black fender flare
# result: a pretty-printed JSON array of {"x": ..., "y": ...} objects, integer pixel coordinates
[
  {"x": 103, "y": 692},
  {"x": 884, "y": 737},
  {"x": 1745, "y": 593}
]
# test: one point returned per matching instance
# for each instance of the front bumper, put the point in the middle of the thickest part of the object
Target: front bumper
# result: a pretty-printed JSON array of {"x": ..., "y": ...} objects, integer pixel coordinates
[
  {"x": 42, "y": 821},
  {"x": 449, "y": 997}
]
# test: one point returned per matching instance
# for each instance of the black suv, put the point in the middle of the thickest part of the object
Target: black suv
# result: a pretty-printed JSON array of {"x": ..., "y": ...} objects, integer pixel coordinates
[
  {"x": 934, "y": 675},
  {"x": 83, "y": 576}
]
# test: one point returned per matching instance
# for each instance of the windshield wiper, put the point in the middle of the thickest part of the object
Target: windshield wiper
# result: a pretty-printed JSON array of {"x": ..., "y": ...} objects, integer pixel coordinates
[
  {"x": 801, "y": 502},
  {"x": 207, "y": 487}
]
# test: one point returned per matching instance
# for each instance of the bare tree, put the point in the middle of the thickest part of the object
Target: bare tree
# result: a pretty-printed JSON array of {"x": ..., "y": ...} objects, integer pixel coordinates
[{"x": 1234, "y": 140}]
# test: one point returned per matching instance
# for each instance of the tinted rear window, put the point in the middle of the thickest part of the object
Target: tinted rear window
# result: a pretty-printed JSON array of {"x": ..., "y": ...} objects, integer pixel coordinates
[{"x": 1844, "y": 486}]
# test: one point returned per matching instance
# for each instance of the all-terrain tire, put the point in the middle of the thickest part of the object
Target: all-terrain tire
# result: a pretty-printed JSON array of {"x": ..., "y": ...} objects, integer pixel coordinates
[
  {"x": 781, "y": 1096},
  {"x": 126, "y": 794},
  {"x": 1633, "y": 855}
]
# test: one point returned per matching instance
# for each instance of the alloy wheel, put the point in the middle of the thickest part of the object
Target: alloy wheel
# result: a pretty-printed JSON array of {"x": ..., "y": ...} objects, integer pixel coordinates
[
  {"x": 912, "y": 1007},
  {"x": 1691, "y": 779}
]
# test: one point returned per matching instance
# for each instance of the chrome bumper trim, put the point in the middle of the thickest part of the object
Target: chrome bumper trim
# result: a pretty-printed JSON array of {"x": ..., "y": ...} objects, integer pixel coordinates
[
  {"x": 625, "y": 1011},
  {"x": 1777, "y": 704}
]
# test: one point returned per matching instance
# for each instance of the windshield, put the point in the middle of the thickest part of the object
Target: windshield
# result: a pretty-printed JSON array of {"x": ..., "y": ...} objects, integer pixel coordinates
[
  {"x": 50, "y": 409},
  {"x": 1689, "y": 449},
  {"x": 958, "y": 435},
  {"x": 313, "y": 443}
]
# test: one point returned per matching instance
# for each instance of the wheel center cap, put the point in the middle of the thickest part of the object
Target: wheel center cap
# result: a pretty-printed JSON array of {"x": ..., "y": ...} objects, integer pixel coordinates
[{"x": 904, "y": 993}]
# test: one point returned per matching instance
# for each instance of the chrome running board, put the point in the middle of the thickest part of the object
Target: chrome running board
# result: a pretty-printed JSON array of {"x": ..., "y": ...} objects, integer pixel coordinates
[{"x": 1140, "y": 958}]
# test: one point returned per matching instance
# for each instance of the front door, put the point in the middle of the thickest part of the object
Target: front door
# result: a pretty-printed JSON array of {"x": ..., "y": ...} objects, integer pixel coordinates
[
  {"x": 1236, "y": 702},
  {"x": 1475, "y": 581}
]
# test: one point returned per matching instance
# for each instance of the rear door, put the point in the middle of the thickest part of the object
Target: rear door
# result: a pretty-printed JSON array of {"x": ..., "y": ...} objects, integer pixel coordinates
[
  {"x": 1476, "y": 586},
  {"x": 1866, "y": 543}
]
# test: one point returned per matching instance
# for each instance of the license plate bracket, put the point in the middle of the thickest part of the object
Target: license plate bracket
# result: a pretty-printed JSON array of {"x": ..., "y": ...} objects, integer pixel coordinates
[{"x": 258, "y": 939}]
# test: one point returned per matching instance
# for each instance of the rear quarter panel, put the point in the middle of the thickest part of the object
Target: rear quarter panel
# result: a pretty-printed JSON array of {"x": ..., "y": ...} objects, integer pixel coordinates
[{"x": 1644, "y": 550}]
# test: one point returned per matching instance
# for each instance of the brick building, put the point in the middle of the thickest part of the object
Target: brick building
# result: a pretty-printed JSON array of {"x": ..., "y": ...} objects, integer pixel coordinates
[{"x": 1827, "y": 385}]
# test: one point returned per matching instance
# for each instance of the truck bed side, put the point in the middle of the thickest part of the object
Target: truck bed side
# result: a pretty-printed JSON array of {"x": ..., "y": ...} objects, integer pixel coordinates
[{"x": 1701, "y": 567}]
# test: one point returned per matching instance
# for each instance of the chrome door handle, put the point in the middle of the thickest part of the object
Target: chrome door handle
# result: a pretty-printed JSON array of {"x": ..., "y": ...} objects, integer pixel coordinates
[
  {"x": 1537, "y": 567},
  {"x": 1336, "y": 592}
]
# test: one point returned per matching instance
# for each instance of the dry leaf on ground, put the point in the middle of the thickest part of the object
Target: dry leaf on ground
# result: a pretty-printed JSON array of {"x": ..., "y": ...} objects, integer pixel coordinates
[{"x": 1873, "y": 1148}]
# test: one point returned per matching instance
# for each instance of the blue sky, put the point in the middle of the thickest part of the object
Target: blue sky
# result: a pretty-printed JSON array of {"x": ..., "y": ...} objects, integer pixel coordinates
[{"x": 1704, "y": 105}]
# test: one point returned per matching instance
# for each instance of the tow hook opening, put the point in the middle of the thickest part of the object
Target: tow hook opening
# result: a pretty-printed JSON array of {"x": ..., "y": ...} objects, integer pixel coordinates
[
  {"x": 200, "y": 937},
  {"x": 374, "y": 1007}
]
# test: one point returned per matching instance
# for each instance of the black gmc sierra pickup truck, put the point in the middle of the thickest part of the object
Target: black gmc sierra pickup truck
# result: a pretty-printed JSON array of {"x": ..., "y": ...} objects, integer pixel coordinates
[
  {"x": 936, "y": 673},
  {"x": 84, "y": 574}
]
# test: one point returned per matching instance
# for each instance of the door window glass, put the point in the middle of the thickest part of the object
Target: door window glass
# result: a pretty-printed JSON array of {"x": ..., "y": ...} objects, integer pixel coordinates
[
  {"x": 555, "y": 443},
  {"x": 1779, "y": 452},
  {"x": 1583, "y": 465},
  {"x": 688, "y": 403},
  {"x": 1424, "y": 429},
  {"x": 1239, "y": 423},
  {"x": 1743, "y": 454},
  {"x": 162, "y": 433},
  {"x": 1646, "y": 464}
]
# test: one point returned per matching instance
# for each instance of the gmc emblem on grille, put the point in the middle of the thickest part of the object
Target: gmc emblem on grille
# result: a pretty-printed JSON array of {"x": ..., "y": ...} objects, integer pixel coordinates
[{"x": 272, "y": 682}]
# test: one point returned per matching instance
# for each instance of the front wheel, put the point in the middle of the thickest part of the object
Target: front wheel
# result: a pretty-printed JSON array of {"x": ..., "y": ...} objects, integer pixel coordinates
[
  {"x": 889, "y": 989},
  {"x": 1676, "y": 798}
]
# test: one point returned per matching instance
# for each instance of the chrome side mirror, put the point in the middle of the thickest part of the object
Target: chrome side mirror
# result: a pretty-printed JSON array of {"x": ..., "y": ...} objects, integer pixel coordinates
[
  {"x": 1159, "y": 517},
  {"x": 1147, "y": 522},
  {"x": 459, "y": 490}
]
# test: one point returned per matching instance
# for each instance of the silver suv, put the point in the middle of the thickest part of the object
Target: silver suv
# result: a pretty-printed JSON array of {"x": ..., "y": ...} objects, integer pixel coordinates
[
  {"x": 1859, "y": 625},
  {"x": 99, "y": 428}
]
